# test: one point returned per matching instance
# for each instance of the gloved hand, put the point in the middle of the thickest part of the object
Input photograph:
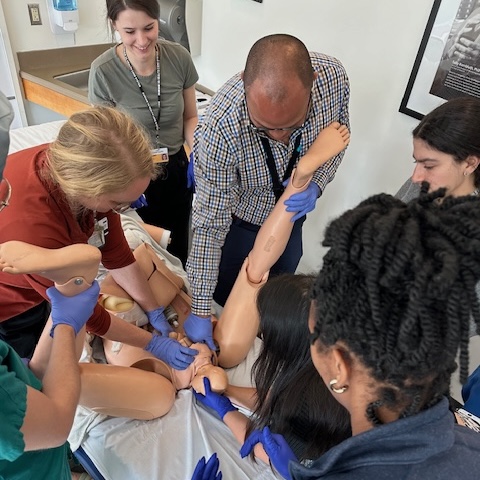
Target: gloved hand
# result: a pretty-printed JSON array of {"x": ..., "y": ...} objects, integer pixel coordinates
[
  {"x": 159, "y": 321},
  {"x": 199, "y": 329},
  {"x": 190, "y": 174},
  {"x": 73, "y": 311},
  {"x": 209, "y": 470},
  {"x": 220, "y": 403},
  {"x": 171, "y": 352},
  {"x": 302, "y": 202},
  {"x": 140, "y": 202},
  {"x": 276, "y": 448}
]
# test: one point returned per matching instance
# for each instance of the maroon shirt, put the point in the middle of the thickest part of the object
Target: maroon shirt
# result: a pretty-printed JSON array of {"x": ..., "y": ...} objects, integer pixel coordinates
[{"x": 39, "y": 214}]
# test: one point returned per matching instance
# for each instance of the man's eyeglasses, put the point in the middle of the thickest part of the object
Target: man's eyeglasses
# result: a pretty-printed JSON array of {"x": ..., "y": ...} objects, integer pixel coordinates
[
  {"x": 5, "y": 193},
  {"x": 264, "y": 131}
]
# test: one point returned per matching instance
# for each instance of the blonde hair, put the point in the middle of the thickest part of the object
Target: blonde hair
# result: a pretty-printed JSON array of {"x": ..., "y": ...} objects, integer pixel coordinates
[{"x": 99, "y": 151}]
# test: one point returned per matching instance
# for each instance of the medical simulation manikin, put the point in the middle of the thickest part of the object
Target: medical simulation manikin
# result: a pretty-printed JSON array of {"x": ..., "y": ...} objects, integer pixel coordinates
[
  {"x": 239, "y": 322},
  {"x": 168, "y": 290}
]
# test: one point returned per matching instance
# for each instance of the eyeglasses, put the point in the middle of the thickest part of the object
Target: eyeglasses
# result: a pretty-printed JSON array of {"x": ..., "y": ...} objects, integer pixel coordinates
[
  {"x": 5, "y": 193},
  {"x": 121, "y": 208},
  {"x": 264, "y": 131}
]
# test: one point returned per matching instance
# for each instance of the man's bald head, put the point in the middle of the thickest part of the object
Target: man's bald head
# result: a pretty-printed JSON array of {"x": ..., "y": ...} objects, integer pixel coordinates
[{"x": 276, "y": 60}]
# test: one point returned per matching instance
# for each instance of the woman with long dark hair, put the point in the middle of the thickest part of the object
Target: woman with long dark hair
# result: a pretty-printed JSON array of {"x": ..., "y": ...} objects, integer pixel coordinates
[{"x": 289, "y": 396}]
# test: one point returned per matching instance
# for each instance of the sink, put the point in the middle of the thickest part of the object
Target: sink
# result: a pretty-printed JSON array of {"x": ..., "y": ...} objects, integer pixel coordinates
[{"x": 77, "y": 79}]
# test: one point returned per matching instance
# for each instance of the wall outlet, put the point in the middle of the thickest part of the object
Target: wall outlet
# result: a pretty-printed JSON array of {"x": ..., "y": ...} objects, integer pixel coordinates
[{"x": 34, "y": 12}]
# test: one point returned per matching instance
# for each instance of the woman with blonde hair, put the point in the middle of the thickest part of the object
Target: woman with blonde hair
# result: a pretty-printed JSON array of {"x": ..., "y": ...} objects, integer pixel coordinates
[{"x": 70, "y": 192}]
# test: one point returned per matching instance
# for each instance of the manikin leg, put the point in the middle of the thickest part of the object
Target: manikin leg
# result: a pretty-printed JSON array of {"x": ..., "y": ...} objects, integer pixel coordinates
[
  {"x": 166, "y": 287},
  {"x": 239, "y": 323},
  {"x": 107, "y": 389},
  {"x": 125, "y": 391},
  {"x": 72, "y": 268}
]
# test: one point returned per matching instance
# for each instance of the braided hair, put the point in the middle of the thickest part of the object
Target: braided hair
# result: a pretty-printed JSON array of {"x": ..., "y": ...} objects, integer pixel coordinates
[{"x": 397, "y": 290}]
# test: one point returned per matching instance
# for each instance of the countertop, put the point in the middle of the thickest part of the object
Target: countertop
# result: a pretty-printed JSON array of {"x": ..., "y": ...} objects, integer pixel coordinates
[{"x": 41, "y": 66}]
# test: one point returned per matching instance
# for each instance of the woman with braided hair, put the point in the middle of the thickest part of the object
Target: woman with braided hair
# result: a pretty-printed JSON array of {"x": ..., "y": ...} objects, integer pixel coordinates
[{"x": 390, "y": 309}]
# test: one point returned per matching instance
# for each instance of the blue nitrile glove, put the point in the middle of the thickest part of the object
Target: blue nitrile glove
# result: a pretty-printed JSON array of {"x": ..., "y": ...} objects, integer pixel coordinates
[
  {"x": 199, "y": 330},
  {"x": 302, "y": 202},
  {"x": 220, "y": 403},
  {"x": 190, "y": 174},
  {"x": 170, "y": 351},
  {"x": 158, "y": 320},
  {"x": 208, "y": 471},
  {"x": 73, "y": 311},
  {"x": 140, "y": 202},
  {"x": 275, "y": 446}
]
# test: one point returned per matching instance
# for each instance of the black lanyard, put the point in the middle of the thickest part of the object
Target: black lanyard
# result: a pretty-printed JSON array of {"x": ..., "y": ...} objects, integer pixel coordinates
[
  {"x": 156, "y": 119},
  {"x": 278, "y": 188}
]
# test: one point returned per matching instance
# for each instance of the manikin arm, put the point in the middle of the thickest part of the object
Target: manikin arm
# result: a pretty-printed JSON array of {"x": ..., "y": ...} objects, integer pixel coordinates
[
  {"x": 274, "y": 234},
  {"x": 239, "y": 322}
]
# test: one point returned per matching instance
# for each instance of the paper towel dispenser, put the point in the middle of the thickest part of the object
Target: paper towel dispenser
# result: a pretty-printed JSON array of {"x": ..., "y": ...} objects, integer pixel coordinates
[{"x": 172, "y": 22}]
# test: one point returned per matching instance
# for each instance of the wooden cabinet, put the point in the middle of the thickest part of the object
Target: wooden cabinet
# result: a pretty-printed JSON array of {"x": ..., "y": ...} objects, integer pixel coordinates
[{"x": 48, "y": 98}]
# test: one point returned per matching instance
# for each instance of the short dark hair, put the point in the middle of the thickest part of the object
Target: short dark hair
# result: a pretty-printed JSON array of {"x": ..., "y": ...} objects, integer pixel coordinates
[
  {"x": 453, "y": 128},
  {"x": 397, "y": 289},
  {"x": 277, "y": 56}
]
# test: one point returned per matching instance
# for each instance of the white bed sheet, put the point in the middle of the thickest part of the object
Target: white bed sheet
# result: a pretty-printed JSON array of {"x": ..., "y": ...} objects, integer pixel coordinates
[
  {"x": 26, "y": 137},
  {"x": 168, "y": 447},
  {"x": 165, "y": 448}
]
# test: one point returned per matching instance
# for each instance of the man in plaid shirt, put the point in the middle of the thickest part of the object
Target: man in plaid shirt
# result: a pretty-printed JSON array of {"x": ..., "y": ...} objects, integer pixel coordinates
[{"x": 256, "y": 128}]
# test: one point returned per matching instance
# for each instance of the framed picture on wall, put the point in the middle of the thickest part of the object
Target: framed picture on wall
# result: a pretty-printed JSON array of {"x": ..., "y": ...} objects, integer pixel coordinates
[{"x": 447, "y": 64}]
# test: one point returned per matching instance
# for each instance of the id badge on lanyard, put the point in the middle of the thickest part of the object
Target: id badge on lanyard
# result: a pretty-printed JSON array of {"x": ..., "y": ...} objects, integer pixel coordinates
[
  {"x": 160, "y": 155},
  {"x": 100, "y": 231}
]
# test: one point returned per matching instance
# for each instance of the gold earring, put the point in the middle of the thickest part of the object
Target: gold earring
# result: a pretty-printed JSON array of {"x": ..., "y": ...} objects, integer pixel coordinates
[{"x": 337, "y": 390}]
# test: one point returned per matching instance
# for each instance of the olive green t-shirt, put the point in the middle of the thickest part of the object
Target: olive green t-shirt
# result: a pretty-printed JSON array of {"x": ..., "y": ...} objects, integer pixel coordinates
[{"x": 111, "y": 83}]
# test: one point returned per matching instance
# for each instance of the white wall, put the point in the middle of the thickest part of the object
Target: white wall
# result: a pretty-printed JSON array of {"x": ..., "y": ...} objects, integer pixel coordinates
[
  {"x": 376, "y": 41},
  {"x": 24, "y": 37}
]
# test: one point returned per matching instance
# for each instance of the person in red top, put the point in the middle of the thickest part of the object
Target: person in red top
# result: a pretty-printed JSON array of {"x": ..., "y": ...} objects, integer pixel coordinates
[{"x": 71, "y": 191}]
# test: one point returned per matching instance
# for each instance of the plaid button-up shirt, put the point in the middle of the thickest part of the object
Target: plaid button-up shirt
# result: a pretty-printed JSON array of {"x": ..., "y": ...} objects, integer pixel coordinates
[{"x": 231, "y": 173}]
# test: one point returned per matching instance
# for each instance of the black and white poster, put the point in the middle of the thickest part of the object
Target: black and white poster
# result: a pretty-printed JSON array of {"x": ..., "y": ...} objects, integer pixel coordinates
[{"x": 448, "y": 60}]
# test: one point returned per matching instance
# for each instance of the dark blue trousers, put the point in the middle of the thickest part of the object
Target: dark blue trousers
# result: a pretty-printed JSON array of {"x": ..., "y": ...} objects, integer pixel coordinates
[
  {"x": 238, "y": 243},
  {"x": 23, "y": 331}
]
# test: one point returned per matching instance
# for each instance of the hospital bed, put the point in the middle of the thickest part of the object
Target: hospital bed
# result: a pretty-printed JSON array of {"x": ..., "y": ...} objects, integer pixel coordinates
[{"x": 165, "y": 448}]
